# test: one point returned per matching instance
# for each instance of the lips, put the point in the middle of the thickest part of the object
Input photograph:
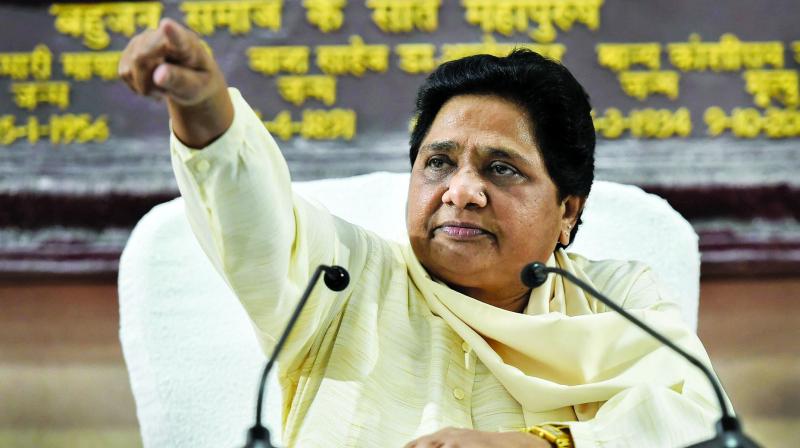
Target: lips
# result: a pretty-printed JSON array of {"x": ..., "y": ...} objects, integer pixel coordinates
[{"x": 462, "y": 230}]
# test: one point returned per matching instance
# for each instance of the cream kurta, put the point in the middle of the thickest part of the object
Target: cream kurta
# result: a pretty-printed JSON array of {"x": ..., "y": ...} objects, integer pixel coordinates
[{"x": 398, "y": 355}]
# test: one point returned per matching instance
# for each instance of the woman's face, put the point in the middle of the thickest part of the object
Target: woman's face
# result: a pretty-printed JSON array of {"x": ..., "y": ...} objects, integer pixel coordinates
[{"x": 480, "y": 202}]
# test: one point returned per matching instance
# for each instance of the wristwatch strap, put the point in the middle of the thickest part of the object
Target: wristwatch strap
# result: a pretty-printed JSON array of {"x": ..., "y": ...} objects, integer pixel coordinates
[{"x": 557, "y": 435}]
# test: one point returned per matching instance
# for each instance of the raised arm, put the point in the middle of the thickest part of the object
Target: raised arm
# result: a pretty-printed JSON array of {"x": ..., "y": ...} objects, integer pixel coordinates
[{"x": 264, "y": 240}]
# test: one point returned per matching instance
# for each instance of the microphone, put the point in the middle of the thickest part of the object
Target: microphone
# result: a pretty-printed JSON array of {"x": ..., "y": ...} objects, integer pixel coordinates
[
  {"x": 336, "y": 279},
  {"x": 729, "y": 431}
]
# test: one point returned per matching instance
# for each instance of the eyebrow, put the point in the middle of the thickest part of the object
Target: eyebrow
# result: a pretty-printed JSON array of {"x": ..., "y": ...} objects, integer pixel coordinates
[
  {"x": 503, "y": 153},
  {"x": 441, "y": 146}
]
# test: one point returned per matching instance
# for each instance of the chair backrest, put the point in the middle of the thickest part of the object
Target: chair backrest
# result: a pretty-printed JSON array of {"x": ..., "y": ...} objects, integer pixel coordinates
[{"x": 193, "y": 358}]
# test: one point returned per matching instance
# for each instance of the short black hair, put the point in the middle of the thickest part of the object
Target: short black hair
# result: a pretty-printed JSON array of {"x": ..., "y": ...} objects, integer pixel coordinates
[{"x": 555, "y": 102}]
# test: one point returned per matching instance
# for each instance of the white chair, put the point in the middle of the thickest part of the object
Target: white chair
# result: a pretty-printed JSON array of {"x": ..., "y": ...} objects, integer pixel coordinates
[{"x": 193, "y": 359}]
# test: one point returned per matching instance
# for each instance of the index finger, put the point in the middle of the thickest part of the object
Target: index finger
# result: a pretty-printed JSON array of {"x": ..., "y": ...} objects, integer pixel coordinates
[
  {"x": 164, "y": 42},
  {"x": 175, "y": 34},
  {"x": 181, "y": 42}
]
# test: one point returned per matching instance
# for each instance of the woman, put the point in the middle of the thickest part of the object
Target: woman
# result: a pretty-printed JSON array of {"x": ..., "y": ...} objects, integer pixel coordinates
[{"x": 437, "y": 342}]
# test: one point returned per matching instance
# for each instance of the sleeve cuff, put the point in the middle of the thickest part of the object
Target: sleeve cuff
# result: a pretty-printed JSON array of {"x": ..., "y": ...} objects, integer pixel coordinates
[
  {"x": 220, "y": 148},
  {"x": 582, "y": 435}
]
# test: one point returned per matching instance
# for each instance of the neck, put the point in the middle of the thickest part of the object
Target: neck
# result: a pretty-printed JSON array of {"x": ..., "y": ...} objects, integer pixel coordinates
[{"x": 509, "y": 301}]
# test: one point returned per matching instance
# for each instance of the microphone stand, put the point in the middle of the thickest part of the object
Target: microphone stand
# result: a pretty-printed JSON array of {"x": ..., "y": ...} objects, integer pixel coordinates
[
  {"x": 729, "y": 431},
  {"x": 336, "y": 279}
]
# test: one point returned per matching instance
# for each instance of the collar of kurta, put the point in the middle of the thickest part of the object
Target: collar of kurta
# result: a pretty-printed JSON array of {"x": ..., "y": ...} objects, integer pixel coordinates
[{"x": 559, "y": 352}]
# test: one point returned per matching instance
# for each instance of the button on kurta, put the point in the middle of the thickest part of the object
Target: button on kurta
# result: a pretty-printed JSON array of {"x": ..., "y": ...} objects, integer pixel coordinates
[
  {"x": 202, "y": 166},
  {"x": 465, "y": 346},
  {"x": 458, "y": 393}
]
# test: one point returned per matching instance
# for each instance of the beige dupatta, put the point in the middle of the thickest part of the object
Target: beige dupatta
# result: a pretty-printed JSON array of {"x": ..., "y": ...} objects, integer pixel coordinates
[{"x": 560, "y": 353}]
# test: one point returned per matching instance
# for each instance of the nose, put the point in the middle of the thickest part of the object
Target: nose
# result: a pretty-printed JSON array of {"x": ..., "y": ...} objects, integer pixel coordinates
[{"x": 465, "y": 189}]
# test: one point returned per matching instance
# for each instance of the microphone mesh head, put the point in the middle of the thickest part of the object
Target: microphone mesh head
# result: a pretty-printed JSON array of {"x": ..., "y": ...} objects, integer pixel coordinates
[
  {"x": 534, "y": 274},
  {"x": 336, "y": 278}
]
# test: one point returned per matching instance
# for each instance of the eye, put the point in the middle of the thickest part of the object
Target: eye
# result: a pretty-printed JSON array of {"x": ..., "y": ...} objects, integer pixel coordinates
[
  {"x": 502, "y": 169},
  {"x": 436, "y": 162}
]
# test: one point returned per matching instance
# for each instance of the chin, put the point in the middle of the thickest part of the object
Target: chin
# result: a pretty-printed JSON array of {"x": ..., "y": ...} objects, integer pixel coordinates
[
  {"x": 446, "y": 259},
  {"x": 459, "y": 269}
]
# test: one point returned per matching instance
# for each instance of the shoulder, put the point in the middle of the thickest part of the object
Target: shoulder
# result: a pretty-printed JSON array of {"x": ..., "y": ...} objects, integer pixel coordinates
[{"x": 632, "y": 284}]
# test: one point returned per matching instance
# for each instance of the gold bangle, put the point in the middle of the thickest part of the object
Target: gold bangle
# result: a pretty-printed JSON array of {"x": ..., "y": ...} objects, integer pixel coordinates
[{"x": 557, "y": 435}]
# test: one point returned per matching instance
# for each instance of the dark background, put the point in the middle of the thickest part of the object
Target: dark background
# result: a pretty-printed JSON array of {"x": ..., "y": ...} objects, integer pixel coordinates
[{"x": 69, "y": 208}]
